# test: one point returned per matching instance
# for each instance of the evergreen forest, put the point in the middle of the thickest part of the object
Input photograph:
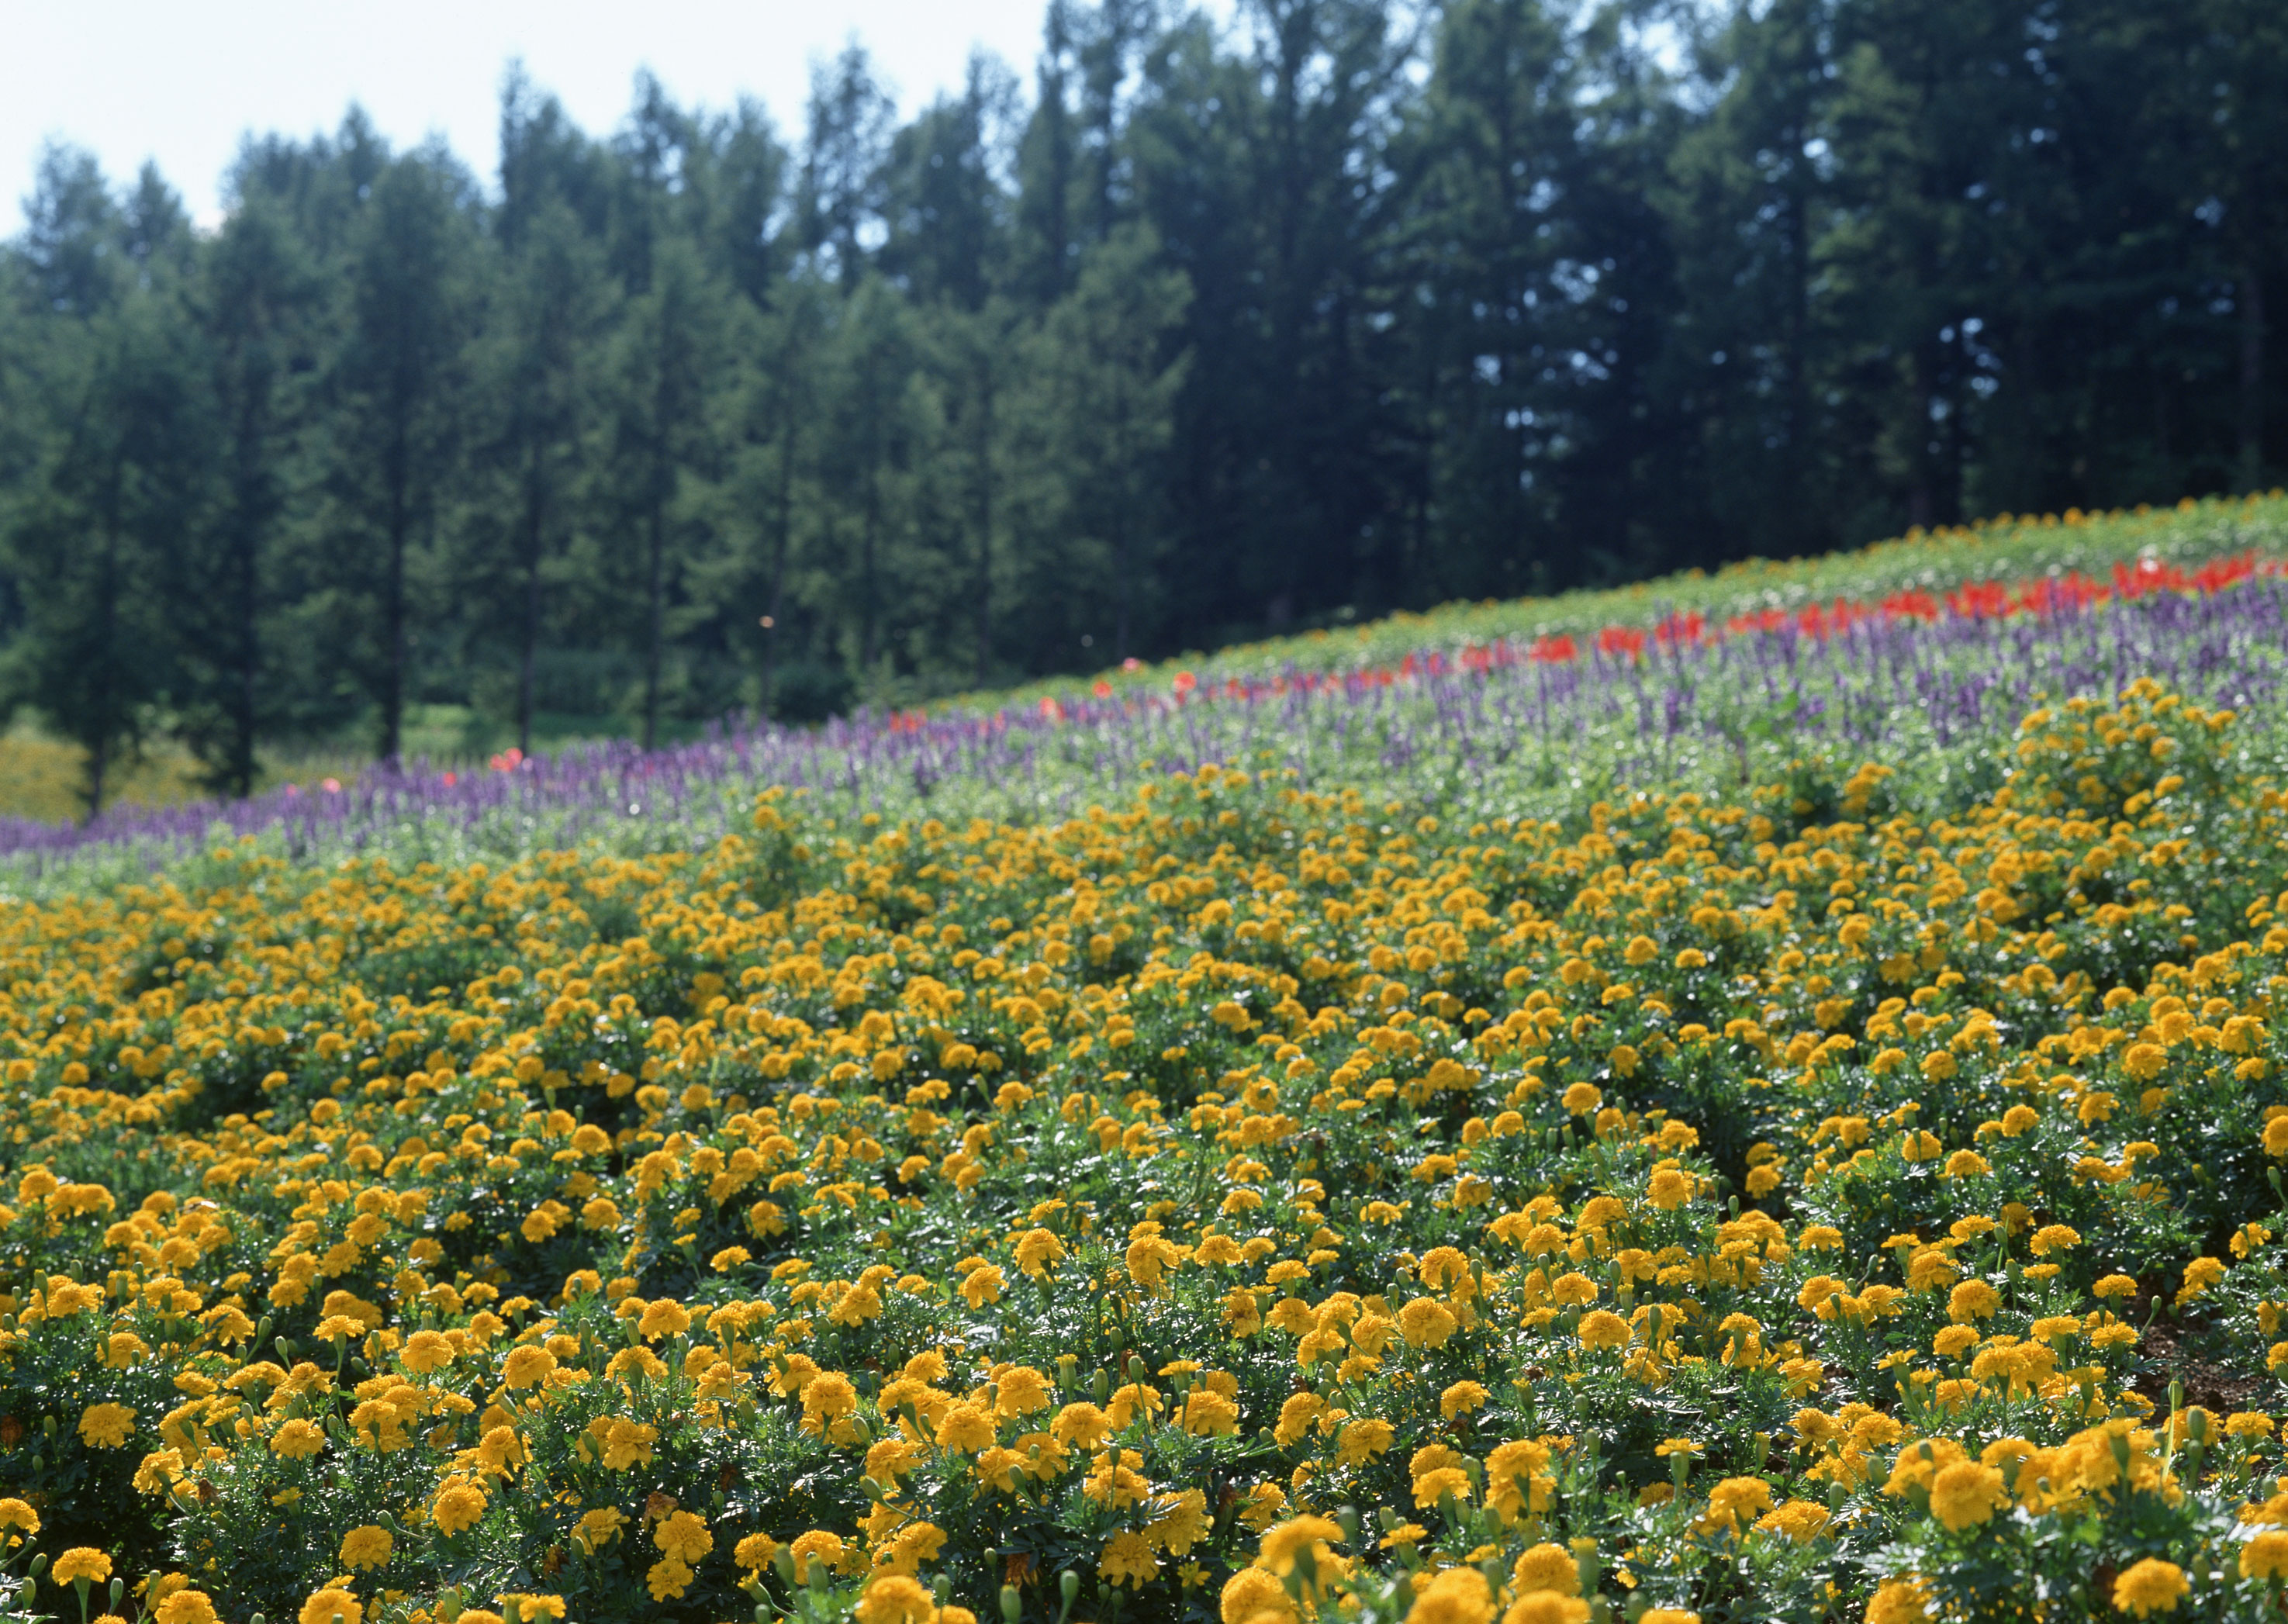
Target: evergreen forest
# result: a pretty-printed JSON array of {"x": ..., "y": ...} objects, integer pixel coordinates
[{"x": 1186, "y": 334}]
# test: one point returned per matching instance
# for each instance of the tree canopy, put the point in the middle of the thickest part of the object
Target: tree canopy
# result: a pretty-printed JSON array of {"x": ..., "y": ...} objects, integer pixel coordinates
[{"x": 1191, "y": 334}]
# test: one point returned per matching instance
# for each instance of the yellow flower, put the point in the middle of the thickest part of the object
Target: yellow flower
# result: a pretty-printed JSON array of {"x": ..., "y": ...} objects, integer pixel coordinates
[
  {"x": 2148, "y": 1586},
  {"x": 1547, "y": 1566},
  {"x": 1361, "y": 1441},
  {"x": 329, "y": 1605},
  {"x": 296, "y": 1439},
  {"x": 982, "y": 1285},
  {"x": 1966, "y": 1495},
  {"x": 1038, "y": 1250},
  {"x": 628, "y": 1443},
  {"x": 1900, "y": 1601},
  {"x": 425, "y": 1352},
  {"x": 1282, "y": 1547},
  {"x": 81, "y": 1563},
  {"x": 663, "y": 1318},
  {"x": 1454, "y": 1595},
  {"x": 1432, "y": 1487},
  {"x": 818, "y": 1545},
  {"x": 367, "y": 1546},
  {"x": 668, "y": 1578},
  {"x": 895, "y": 1598},
  {"x": 1603, "y": 1328},
  {"x": 106, "y": 1426},
  {"x": 1737, "y": 1501},
  {"x": 526, "y": 1366},
  {"x": 1546, "y": 1607},
  {"x": 1670, "y": 1189},
  {"x": 186, "y": 1607},
  {"x": 1128, "y": 1559},
  {"x": 754, "y": 1553},
  {"x": 684, "y": 1536},
  {"x": 598, "y": 1528},
  {"x": 15, "y": 1514},
  {"x": 1461, "y": 1398},
  {"x": 1427, "y": 1324},
  {"x": 530, "y": 1608},
  {"x": 1252, "y": 1595},
  {"x": 966, "y": 1427},
  {"x": 458, "y": 1506},
  {"x": 2265, "y": 1556}
]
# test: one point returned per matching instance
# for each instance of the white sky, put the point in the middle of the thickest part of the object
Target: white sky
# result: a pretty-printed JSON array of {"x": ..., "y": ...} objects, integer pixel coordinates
[{"x": 179, "y": 81}]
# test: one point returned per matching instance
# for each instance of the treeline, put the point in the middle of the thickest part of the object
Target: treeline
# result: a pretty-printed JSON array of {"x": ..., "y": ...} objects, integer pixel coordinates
[{"x": 1195, "y": 334}]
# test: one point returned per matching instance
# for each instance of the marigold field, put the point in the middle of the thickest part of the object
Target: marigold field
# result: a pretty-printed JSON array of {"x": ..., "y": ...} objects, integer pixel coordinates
[{"x": 1830, "y": 1192}]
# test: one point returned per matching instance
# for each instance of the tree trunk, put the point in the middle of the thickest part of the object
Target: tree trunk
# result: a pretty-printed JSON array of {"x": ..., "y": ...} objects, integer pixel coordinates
[
  {"x": 392, "y": 687},
  {"x": 2252, "y": 378},
  {"x": 535, "y": 519},
  {"x": 984, "y": 520},
  {"x": 657, "y": 588}
]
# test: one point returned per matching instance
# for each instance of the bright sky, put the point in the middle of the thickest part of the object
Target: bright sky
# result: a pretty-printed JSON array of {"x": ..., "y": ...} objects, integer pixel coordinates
[{"x": 180, "y": 83}]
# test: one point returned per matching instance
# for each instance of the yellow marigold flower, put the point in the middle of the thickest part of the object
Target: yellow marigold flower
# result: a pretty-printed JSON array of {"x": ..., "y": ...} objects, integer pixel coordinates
[
  {"x": 628, "y": 1443},
  {"x": 1900, "y": 1601},
  {"x": 15, "y": 1513},
  {"x": 327, "y": 1606},
  {"x": 2276, "y": 1137},
  {"x": 1603, "y": 1328},
  {"x": 1082, "y": 1424},
  {"x": 296, "y": 1439},
  {"x": 1432, "y": 1487},
  {"x": 367, "y": 1546},
  {"x": 982, "y": 1285},
  {"x": 1358, "y": 1443},
  {"x": 2150, "y": 1586},
  {"x": 81, "y": 1563},
  {"x": 1454, "y": 1595},
  {"x": 1252, "y": 1595},
  {"x": 966, "y": 1427},
  {"x": 1800, "y": 1520},
  {"x": 526, "y": 1366},
  {"x": 2143, "y": 1062},
  {"x": 827, "y": 1395},
  {"x": 1280, "y": 1546},
  {"x": 459, "y": 1505},
  {"x": 683, "y": 1536},
  {"x": 730, "y": 1258},
  {"x": 1670, "y": 1189},
  {"x": 1972, "y": 1300},
  {"x": 1668, "y": 1615},
  {"x": 1546, "y": 1607},
  {"x": 754, "y": 1553},
  {"x": 1966, "y": 1495},
  {"x": 1461, "y": 1398},
  {"x": 664, "y": 1319},
  {"x": 2265, "y": 1556},
  {"x": 530, "y": 1608},
  {"x": 598, "y": 1528},
  {"x": 1038, "y": 1250},
  {"x": 668, "y": 1580},
  {"x": 1021, "y": 1391},
  {"x": 1425, "y": 1323},
  {"x": 186, "y": 1607},
  {"x": 1549, "y": 1567},
  {"x": 895, "y": 1598},
  {"x": 1210, "y": 1414},
  {"x": 425, "y": 1352},
  {"x": 1737, "y": 1503},
  {"x": 106, "y": 1426},
  {"x": 1128, "y": 1559},
  {"x": 818, "y": 1545}
]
